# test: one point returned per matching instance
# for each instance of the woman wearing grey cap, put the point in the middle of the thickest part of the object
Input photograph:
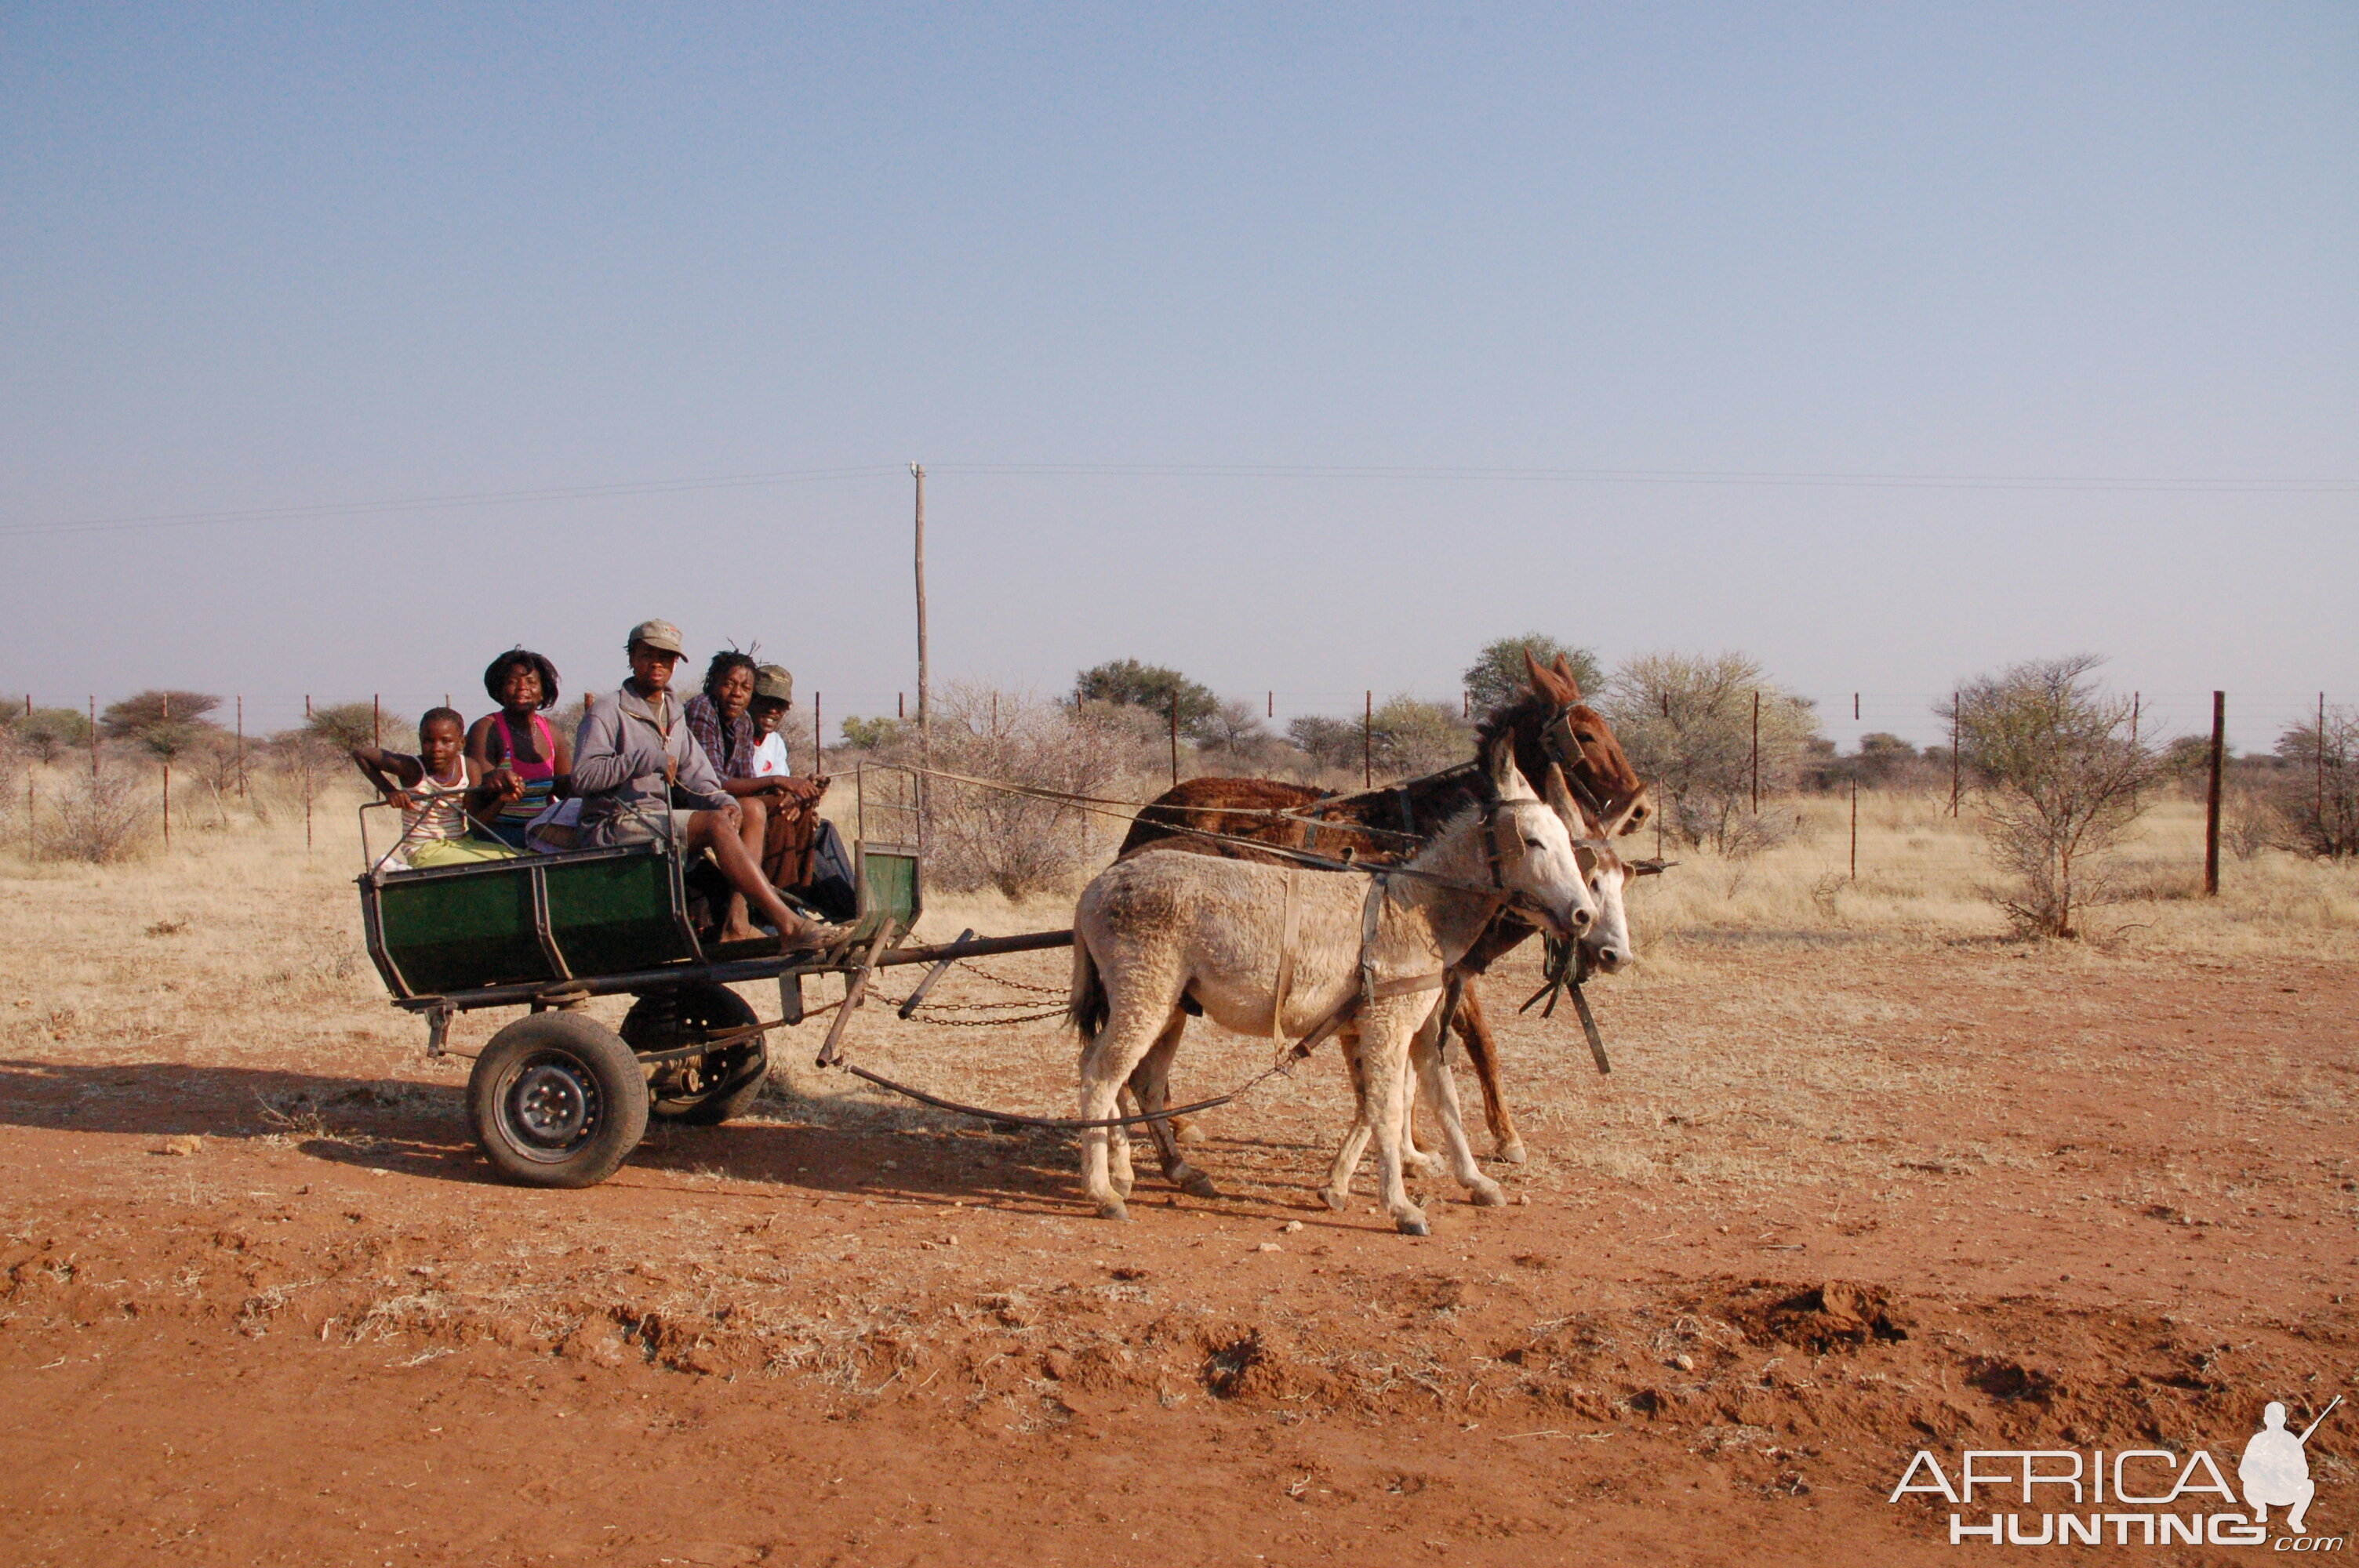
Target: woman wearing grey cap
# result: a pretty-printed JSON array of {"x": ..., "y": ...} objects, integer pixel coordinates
[{"x": 635, "y": 750}]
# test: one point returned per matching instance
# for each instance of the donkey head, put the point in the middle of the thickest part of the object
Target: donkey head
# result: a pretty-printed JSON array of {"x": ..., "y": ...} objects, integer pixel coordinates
[
  {"x": 1578, "y": 738},
  {"x": 1606, "y": 944},
  {"x": 1532, "y": 852}
]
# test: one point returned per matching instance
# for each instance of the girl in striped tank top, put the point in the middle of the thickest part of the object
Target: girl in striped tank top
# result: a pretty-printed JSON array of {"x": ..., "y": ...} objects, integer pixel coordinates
[{"x": 517, "y": 741}]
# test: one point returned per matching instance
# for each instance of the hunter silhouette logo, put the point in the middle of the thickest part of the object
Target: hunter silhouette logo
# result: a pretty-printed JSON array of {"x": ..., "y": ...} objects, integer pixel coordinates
[
  {"x": 2276, "y": 1467},
  {"x": 2133, "y": 1496}
]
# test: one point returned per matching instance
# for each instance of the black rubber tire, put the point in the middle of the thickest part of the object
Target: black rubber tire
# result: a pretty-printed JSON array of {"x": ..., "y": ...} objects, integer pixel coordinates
[
  {"x": 558, "y": 1100},
  {"x": 668, "y": 1019}
]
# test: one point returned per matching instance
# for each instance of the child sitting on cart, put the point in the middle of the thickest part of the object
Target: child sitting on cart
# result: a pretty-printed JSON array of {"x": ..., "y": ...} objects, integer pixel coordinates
[{"x": 442, "y": 798}]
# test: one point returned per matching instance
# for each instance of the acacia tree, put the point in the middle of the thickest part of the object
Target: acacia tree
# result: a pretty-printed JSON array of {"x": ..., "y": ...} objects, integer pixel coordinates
[
  {"x": 1126, "y": 683},
  {"x": 164, "y": 724},
  {"x": 2061, "y": 782},
  {"x": 1496, "y": 677},
  {"x": 1686, "y": 722}
]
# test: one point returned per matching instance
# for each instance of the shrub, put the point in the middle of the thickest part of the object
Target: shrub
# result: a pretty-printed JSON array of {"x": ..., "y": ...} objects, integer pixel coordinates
[
  {"x": 1686, "y": 722},
  {"x": 2061, "y": 782},
  {"x": 100, "y": 821},
  {"x": 1018, "y": 844},
  {"x": 1408, "y": 737},
  {"x": 1497, "y": 677},
  {"x": 49, "y": 732},
  {"x": 1329, "y": 742},
  {"x": 876, "y": 734},
  {"x": 2315, "y": 796}
]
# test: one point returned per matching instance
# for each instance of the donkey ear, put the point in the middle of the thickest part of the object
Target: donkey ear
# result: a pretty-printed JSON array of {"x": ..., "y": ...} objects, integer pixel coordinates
[
  {"x": 1560, "y": 798},
  {"x": 1537, "y": 673},
  {"x": 1507, "y": 780},
  {"x": 1571, "y": 681}
]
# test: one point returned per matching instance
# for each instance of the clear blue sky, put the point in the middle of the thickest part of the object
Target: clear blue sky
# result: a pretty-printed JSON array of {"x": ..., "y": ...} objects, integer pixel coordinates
[{"x": 257, "y": 257}]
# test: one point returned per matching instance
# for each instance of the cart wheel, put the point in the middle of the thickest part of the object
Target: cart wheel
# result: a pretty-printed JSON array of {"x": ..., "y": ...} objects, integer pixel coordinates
[
  {"x": 707, "y": 1090},
  {"x": 558, "y": 1100}
]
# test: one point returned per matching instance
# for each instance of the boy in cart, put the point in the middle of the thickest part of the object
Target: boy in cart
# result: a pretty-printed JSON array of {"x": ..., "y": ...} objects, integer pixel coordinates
[{"x": 442, "y": 798}]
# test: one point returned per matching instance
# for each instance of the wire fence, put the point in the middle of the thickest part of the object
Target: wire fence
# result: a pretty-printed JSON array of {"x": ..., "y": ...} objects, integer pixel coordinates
[{"x": 1919, "y": 821}]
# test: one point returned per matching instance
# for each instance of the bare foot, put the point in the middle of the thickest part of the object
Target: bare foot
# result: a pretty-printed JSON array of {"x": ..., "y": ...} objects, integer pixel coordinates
[{"x": 740, "y": 931}]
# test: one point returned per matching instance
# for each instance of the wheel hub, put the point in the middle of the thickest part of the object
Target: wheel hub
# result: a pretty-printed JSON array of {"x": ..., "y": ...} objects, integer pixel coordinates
[{"x": 550, "y": 1107}]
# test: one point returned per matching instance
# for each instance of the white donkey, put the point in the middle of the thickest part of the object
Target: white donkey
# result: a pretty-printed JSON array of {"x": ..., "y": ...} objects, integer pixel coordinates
[
  {"x": 1606, "y": 946},
  {"x": 1158, "y": 928}
]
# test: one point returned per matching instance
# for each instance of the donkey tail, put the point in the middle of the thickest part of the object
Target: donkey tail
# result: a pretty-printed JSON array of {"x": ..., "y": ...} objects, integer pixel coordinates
[{"x": 1088, "y": 1008}]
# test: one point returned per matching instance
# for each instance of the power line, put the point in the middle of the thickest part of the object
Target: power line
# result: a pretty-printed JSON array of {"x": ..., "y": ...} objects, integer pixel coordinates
[
  {"x": 2054, "y": 482},
  {"x": 436, "y": 503},
  {"x": 1674, "y": 476}
]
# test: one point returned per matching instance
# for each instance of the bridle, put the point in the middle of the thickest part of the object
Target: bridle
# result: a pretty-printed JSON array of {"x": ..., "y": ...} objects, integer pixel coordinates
[{"x": 1559, "y": 742}]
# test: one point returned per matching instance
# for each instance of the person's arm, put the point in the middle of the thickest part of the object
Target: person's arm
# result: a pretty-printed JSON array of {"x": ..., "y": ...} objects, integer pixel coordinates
[
  {"x": 480, "y": 742},
  {"x": 390, "y": 773},
  {"x": 696, "y": 778},
  {"x": 488, "y": 789},
  {"x": 599, "y": 762}
]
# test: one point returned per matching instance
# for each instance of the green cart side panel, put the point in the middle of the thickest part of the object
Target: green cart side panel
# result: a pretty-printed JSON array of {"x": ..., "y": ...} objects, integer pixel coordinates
[
  {"x": 894, "y": 895},
  {"x": 612, "y": 915},
  {"x": 448, "y": 934}
]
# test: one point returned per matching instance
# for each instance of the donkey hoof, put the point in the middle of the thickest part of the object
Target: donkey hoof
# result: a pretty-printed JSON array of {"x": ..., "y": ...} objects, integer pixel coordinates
[
  {"x": 1335, "y": 1199},
  {"x": 1190, "y": 1134},
  {"x": 1512, "y": 1152},
  {"x": 1489, "y": 1194},
  {"x": 1413, "y": 1227},
  {"x": 1198, "y": 1185},
  {"x": 1116, "y": 1209}
]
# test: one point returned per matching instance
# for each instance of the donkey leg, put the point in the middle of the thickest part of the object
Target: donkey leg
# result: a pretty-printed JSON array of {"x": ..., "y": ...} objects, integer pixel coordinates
[
  {"x": 1153, "y": 1080},
  {"x": 1483, "y": 1050},
  {"x": 1107, "y": 1064},
  {"x": 1118, "y": 1165},
  {"x": 1337, "y": 1193},
  {"x": 1385, "y": 1043},
  {"x": 1441, "y": 1090}
]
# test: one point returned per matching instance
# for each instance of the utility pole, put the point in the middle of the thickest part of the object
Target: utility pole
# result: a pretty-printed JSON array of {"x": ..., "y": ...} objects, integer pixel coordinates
[
  {"x": 1175, "y": 737},
  {"x": 241, "y": 746},
  {"x": 925, "y": 670},
  {"x": 2321, "y": 748},
  {"x": 165, "y": 734},
  {"x": 1368, "y": 743},
  {"x": 2211, "y": 796},
  {"x": 1756, "y": 753}
]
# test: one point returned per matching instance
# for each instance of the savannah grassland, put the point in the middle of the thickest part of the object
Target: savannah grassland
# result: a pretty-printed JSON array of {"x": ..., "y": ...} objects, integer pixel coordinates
[{"x": 1869, "y": 1175}]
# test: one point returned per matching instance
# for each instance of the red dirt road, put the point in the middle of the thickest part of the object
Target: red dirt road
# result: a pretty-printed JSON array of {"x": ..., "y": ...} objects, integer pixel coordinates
[{"x": 2053, "y": 1201}]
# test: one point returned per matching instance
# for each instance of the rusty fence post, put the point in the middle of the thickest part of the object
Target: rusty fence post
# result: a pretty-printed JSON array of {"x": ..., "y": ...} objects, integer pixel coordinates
[
  {"x": 1854, "y": 830},
  {"x": 1956, "y": 713},
  {"x": 2211, "y": 796}
]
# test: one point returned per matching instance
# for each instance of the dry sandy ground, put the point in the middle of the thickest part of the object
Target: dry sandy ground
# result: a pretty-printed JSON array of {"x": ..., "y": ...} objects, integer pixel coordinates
[{"x": 1847, "y": 1194}]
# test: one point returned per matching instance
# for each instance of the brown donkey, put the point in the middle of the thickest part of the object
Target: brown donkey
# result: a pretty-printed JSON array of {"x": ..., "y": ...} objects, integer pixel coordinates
[{"x": 1548, "y": 724}]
